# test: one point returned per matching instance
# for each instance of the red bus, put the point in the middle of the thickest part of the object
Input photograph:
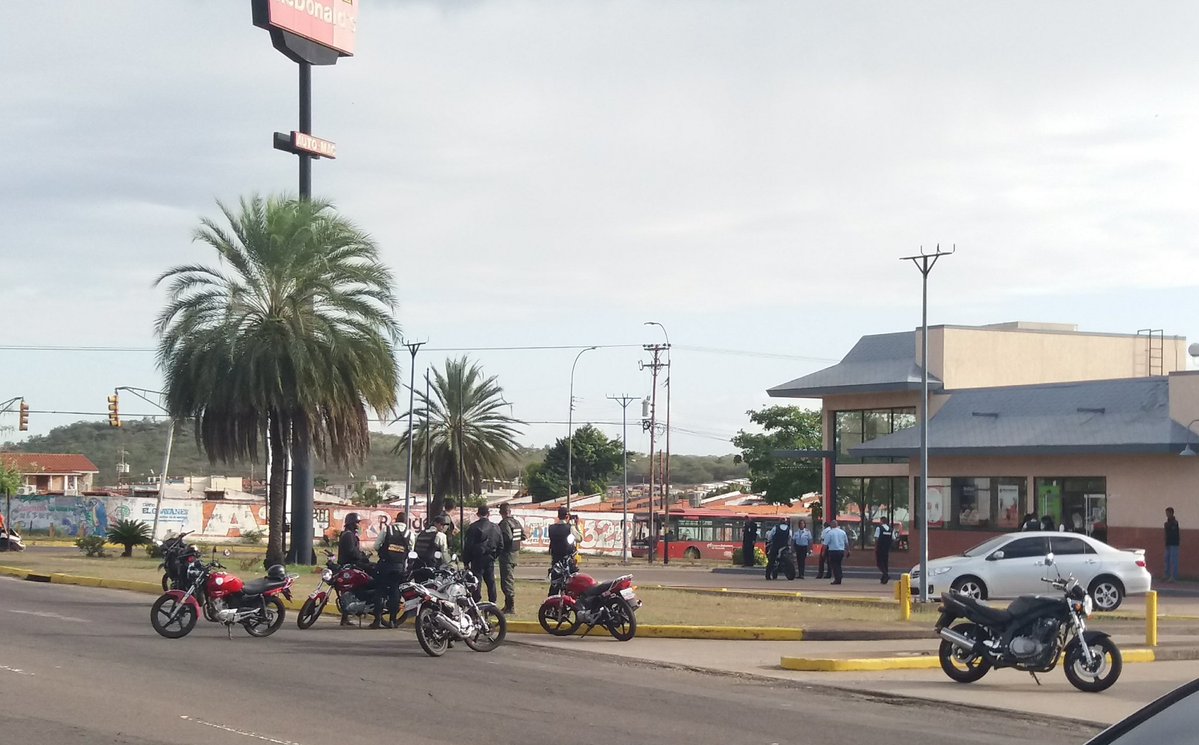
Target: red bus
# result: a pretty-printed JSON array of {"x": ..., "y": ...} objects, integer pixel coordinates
[{"x": 700, "y": 533}]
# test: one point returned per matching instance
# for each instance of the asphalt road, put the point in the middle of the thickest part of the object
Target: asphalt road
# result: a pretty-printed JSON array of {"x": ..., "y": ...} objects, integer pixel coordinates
[{"x": 82, "y": 665}]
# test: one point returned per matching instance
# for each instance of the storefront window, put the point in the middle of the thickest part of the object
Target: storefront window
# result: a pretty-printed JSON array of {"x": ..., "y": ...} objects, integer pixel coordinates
[
  {"x": 976, "y": 503},
  {"x": 855, "y": 427},
  {"x": 1074, "y": 504},
  {"x": 864, "y": 502}
]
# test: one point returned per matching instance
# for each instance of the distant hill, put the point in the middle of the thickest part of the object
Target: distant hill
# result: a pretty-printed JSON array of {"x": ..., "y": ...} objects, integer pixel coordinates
[{"x": 142, "y": 442}]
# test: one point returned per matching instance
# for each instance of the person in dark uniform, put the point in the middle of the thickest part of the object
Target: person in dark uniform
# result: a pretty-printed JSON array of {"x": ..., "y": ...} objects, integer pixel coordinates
[
  {"x": 749, "y": 536},
  {"x": 513, "y": 533},
  {"x": 884, "y": 537},
  {"x": 562, "y": 544},
  {"x": 393, "y": 547},
  {"x": 431, "y": 547},
  {"x": 349, "y": 551},
  {"x": 780, "y": 536},
  {"x": 822, "y": 571},
  {"x": 480, "y": 545}
]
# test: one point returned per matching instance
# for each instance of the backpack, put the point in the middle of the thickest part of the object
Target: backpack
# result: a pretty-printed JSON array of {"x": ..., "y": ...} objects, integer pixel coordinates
[{"x": 397, "y": 544}]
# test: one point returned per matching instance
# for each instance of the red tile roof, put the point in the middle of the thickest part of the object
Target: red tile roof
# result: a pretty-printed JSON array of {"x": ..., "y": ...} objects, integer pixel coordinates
[{"x": 26, "y": 463}]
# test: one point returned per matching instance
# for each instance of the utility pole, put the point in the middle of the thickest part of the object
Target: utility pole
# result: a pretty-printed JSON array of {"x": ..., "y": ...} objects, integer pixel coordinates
[
  {"x": 925, "y": 263},
  {"x": 166, "y": 456},
  {"x": 666, "y": 467},
  {"x": 570, "y": 427},
  {"x": 428, "y": 458},
  {"x": 652, "y": 425},
  {"x": 624, "y": 402},
  {"x": 413, "y": 347}
]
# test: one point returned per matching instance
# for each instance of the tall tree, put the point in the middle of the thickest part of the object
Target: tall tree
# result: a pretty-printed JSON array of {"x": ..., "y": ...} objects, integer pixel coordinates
[
  {"x": 594, "y": 460},
  {"x": 786, "y": 428},
  {"x": 288, "y": 343},
  {"x": 469, "y": 437}
]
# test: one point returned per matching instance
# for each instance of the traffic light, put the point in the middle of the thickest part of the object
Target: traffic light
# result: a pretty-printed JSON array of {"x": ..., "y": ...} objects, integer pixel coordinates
[
  {"x": 114, "y": 411},
  {"x": 23, "y": 421}
]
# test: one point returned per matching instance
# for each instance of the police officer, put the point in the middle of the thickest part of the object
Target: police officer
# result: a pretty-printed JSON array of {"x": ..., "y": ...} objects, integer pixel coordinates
[
  {"x": 432, "y": 541},
  {"x": 392, "y": 546},
  {"x": 563, "y": 544},
  {"x": 778, "y": 537},
  {"x": 480, "y": 545},
  {"x": 884, "y": 536},
  {"x": 349, "y": 551},
  {"x": 512, "y": 533}
]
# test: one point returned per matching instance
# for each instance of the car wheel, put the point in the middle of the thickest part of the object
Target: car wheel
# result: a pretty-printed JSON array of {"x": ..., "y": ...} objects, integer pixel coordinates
[
  {"x": 971, "y": 587},
  {"x": 1107, "y": 592}
]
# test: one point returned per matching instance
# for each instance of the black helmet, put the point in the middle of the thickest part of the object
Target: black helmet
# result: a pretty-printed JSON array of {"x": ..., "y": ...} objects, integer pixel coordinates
[
  {"x": 277, "y": 572},
  {"x": 441, "y": 520},
  {"x": 351, "y": 520}
]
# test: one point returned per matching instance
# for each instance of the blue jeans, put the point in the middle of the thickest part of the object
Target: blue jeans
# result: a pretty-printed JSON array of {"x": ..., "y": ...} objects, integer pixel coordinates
[{"x": 1171, "y": 562}]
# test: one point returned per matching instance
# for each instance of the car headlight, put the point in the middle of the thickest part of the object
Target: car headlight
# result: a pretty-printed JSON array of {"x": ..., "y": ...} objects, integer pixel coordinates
[{"x": 937, "y": 571}]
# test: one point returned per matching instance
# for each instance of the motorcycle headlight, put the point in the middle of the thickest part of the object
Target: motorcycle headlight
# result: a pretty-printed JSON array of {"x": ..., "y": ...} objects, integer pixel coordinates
[
  {"x": 937, "y": 571},
  {"x": 327, "y": 575},
  {"x": 1088, "y": 606}
]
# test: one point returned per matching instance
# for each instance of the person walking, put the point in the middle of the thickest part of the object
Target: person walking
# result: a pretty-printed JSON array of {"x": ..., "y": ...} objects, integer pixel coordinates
[
  {"x": 480, "y": 545},
  {"x": 392, "y": 546},
  {"x": 884, "y": 537},
  {"x": 1172, "y": 541},
  {"x": 749, "y": 537},
  {"x": 803, "y": 546},
  {"x": 836, "y": 545},
  {"x": 512, "y": 533}
]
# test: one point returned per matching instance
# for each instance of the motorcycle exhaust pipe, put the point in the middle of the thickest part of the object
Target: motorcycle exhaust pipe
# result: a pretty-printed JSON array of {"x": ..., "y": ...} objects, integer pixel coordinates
[
  {"x": 448, "y": 625},
  {"x": 958, "y": 640}
]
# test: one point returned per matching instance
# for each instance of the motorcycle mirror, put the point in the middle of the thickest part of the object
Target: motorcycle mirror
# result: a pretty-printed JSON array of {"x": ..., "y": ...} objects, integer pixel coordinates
[
  {"x": 436, "y": 554},
  {"x": 453, "y": 558}
]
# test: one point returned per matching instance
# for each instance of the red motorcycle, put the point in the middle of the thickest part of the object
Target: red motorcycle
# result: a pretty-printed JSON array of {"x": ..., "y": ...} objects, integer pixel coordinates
[
  {"x": 353, "y": 587},
  {"x": 576, "y": 599},
  {"x": 224, "y": 599}
]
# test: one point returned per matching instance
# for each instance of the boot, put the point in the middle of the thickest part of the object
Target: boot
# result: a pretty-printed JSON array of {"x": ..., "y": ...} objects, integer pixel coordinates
[
  {"x": 345, "y": 620},
  {"x": 379, "y": 623}
]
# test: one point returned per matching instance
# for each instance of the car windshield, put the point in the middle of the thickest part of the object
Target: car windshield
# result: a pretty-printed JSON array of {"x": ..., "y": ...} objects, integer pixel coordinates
[{"x": 986, "y": 546}]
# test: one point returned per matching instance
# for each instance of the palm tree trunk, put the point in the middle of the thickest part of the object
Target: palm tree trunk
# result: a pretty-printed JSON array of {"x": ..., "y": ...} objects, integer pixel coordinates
[{"x": 276, "y": 499}]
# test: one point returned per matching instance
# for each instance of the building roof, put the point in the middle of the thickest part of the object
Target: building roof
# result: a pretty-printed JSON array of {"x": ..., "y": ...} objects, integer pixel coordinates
[
  {"x": 1130, "y": 415},
  {"x": 52, "y": 463},
  {"x": 879, "y": 363}
]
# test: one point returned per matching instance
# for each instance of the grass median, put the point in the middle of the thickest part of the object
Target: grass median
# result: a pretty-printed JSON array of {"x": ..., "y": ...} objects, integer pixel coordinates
[{"x": 661, "y": 606}]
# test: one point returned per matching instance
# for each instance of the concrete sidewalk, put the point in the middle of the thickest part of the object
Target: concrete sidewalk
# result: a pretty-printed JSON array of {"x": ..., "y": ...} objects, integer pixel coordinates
[{"x": 1006, "y": 690}]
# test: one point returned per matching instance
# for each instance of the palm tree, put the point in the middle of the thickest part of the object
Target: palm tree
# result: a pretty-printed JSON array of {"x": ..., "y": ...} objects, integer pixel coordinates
[
  {"x": 468, "y": 438},
  {"x": 286, "y": 344}
]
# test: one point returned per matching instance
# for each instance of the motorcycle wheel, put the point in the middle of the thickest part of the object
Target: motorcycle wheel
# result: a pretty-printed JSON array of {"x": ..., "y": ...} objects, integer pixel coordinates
[
  {"x": 622, "y": 621},
  {"x": 171, "y": 618},
  {"x": 1102, "y": 674},
  {"x": 310, "y": 611},
  {"x": 789, "y": 569},
  {"x": 959, "y": 664},
  {"x": 432, "y": 639},
  {"x": 403, "y": 617},
  {"x": 558, "y": 620},
  {"x": 166, "y": 582},
  {"x": 497, "y": 629},
  {"x": 268, "y": 621}
]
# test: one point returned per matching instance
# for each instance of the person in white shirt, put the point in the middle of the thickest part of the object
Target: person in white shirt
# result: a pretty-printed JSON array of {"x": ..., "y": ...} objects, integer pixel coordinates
[
  {"x": 803, "y": 545},
  {"x": 836, "y": 545}
]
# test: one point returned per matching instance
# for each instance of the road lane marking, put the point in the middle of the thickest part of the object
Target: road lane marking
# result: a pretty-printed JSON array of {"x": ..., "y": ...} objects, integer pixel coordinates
[
  {"x": 45, "y": 614},
  {"x": 254, "y": 735},
  {"x": 16, "y": 670}
]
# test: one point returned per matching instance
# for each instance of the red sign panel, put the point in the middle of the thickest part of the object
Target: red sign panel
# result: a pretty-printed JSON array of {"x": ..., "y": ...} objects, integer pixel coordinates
[
  {"x": 315, "y": 145},
  {"x": 330, "y": 23}
]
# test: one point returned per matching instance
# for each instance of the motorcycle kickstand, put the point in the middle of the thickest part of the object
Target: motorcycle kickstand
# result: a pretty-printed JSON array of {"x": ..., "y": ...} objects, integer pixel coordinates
[
  {"x": 588, "y": 631},
  {"x": 1034, "y": 676}
]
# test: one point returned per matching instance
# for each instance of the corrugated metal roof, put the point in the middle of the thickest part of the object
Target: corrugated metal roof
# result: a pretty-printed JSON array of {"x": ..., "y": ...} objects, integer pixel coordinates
[
  {"x": 1105, "y": 416},
  {"x": 877, "y": 363}
]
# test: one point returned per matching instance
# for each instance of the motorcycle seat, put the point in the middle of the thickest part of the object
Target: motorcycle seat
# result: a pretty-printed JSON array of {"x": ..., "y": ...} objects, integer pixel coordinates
[
  {"x": 599, "y": 589},
  {"x": 989, "y": 615},
  {"x": 259, "y": 586}
]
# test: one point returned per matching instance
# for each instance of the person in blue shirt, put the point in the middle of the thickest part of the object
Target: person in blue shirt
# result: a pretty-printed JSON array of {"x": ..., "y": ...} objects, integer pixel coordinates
[
  {"x": 803, "y": 545},
  {"x": 836, "y": 545}
]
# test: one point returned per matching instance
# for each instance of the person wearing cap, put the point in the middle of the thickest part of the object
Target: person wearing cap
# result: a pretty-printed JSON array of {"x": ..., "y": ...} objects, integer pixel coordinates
[
  {"x": 349, "y": 551},
  {"x": 480, "y": 546},
  {"x": 431, "y": 542}
]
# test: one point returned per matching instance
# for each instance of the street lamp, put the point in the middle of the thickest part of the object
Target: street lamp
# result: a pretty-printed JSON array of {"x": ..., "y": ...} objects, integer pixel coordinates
[
  {"x": 570, "y": 425},
  {"x": 1189, "y": 451},
  {"x": 666, "y": 468}
]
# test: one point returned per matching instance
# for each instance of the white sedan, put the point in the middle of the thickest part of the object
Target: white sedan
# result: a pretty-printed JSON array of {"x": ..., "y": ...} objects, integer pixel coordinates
[{"x": 1013, "y": 564}]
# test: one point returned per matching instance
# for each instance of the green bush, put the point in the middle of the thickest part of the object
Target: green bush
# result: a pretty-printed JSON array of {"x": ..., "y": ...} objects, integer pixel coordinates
[
  {"x": 129, "y": 533},
  {"x": 91, "y": 545},
  {"x": 253, "y": 537},
  {"x": 759, "y": 557}
]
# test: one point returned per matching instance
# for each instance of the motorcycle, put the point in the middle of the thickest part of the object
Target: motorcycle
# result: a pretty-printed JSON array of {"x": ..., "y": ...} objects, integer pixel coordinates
[
  {"x": 1032, "y": 634},
  {"x": 576, "y": 599},
  {"x": 784, "y": 559},
  {"x": 176, "y": 557},
  {"x": 10, "y": 540},
  {"x": 451, "y": 614},
  {"x": 353, "y": 587},
  {"x": 224, "y": 599}
]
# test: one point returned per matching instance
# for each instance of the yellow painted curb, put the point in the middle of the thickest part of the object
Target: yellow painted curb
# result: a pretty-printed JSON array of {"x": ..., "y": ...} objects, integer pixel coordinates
[
  {"x": 915, "y": 662},
  {"x": 782, "y": 595},
  {"x": 14, "y": 572}
]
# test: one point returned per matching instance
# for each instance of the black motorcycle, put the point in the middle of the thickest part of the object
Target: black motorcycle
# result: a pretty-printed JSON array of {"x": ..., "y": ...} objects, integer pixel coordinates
[
  {"x": 1032, "y": 634},
  {"x": 176, "y": 557},
  {"x": 785, "y": 560}
]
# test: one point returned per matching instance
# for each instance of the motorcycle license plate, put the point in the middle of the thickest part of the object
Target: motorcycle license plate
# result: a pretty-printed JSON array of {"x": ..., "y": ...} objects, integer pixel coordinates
[{"x": 627, "y": 593}]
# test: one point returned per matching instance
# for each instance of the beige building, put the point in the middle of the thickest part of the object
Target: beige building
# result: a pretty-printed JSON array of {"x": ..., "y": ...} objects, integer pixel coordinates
[{"x": 1085, "y": 429}]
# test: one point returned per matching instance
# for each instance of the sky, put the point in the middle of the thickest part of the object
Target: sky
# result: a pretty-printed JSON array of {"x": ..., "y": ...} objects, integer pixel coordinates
[{"x": 547, "y": 176}]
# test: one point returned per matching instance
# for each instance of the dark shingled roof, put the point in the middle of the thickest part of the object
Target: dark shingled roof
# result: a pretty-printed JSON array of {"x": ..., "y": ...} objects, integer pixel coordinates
[
  {"x": 879, "y": 363},
  {"x": 1105, "y": 416}
]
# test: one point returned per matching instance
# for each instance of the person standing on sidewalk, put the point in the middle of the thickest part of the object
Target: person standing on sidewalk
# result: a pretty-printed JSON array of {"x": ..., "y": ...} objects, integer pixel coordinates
[
  {"x": 512, "y": 533},
  {"x": 749, "y": 536},
  {"x": 481, "y": 543},
  {"x": 803, "y": 545},
  {"x": 884, "y": 536},
  {"x": 836, "y": 545},
  {"x": 1172, "y": 541}
]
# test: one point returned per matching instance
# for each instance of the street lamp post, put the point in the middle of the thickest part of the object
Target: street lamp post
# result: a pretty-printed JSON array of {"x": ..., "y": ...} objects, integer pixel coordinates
[
  {"x": 1187, "y": 450},
  {"x": 666, "y": 467},
  {"x": 924, "y": 262},
  {"x": 570, "y": 426},
  {"x": 624, "y": 402}
]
